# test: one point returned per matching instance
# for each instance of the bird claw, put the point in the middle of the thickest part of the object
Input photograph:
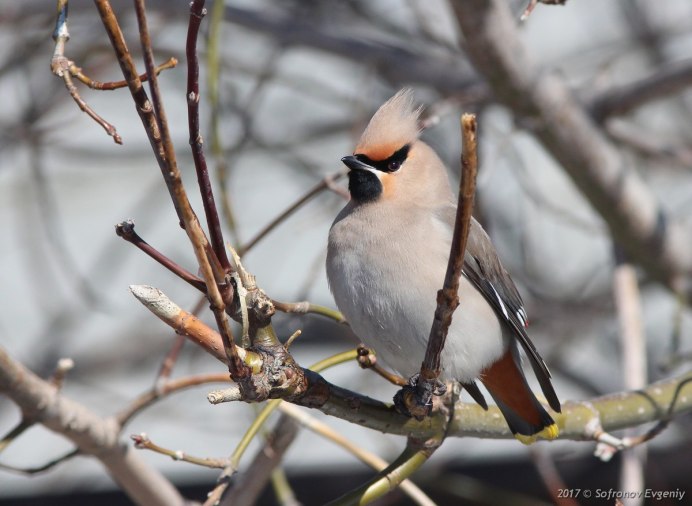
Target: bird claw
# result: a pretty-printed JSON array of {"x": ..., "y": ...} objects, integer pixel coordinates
[{"x": 415, "y": 399}]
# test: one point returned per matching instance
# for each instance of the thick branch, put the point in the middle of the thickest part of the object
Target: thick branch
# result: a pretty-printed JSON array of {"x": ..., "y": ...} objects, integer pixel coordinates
[
  {"x": 93, "y": 435},
  {"x": 659, "y": 401},
  {"x": 543, "y": 103}
]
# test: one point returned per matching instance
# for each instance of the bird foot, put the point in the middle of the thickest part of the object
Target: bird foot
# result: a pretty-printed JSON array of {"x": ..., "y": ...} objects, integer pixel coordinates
[{"x": 415, "y": 399}]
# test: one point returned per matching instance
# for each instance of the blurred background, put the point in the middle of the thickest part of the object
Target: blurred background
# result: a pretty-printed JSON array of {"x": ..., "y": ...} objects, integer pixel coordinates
[{"x": 298, "y": 81}]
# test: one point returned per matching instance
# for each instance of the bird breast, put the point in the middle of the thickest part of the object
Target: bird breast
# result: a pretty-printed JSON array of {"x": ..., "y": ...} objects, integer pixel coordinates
[{"x": 385, "y": 280}]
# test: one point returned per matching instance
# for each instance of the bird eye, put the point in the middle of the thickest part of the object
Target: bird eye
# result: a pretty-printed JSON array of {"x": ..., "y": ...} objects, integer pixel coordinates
[{"x": 393, "y": 165}]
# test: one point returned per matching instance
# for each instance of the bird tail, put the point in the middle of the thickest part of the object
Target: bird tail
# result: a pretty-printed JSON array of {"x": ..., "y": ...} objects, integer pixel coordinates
[{"x": 526, "y": 417}]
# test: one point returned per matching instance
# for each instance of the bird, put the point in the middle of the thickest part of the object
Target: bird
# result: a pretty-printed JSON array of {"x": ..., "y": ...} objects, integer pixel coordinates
[{"x": 387, "y": 255}]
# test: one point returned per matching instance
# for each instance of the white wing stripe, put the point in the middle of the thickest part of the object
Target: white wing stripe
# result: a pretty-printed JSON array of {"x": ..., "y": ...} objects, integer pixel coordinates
[{"x": 499, "y": 299}]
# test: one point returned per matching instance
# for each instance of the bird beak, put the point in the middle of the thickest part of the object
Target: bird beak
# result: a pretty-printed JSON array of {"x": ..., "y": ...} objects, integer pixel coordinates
[{"x": 354, "y": 164}]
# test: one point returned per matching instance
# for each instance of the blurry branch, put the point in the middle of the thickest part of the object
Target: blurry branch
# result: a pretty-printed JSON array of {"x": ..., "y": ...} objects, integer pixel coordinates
[
  {"x": 533, "y": 3},
  {"x": 416, "y": 453},
  {"x": 542, "y": 103},
  {"x": 52, "y": 224},
  {"x": 322, "y": 429},
  {"x": 633, "y": 346},
  {"x": 162, "y": 390},
  {"x": 669, "y": 78},
  {"x": 648, "y": 143},
  {"x": 399, "y": 65},
  {"x": 245, "y": 490},
  {"x": 42, "y": 468},
  {"x": 392, "y": 62},
  {"x": 263, "y": 473},
  {"x": 57, "y": 379},
  {"x": 213, "y": 84},
  {"x": 40, "y": 402},
  {"x": 547, "y": 470},
  {"x": 675, "y": 355},
  {"x": 326, "y": 183}
]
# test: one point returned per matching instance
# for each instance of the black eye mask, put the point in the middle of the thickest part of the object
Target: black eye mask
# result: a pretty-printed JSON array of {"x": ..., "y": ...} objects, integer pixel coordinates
[{"x": 391, "y": 164}]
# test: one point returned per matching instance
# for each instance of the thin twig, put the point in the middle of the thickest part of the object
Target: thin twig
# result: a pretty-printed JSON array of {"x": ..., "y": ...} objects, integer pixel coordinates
[
  {"x": 142, "y": 442},
  {"x": 126, "y": 230},
  {"x": 160, "y": 392},
  {"x": 305, "y": 307},
  {"x": 368, "y": 360},
  {"x": 77, "y": 73},
  {"x": 60, "y": 66},
  {"x": 448, "y": 298},
  {"x": 326, "y": 183},
  {"x": 44, "y": 467},
  {"x": 197, "y": 12}
]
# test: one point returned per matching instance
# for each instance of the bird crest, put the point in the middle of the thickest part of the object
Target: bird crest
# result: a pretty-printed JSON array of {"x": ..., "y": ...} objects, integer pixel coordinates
[{"x": 394, "y": 125}]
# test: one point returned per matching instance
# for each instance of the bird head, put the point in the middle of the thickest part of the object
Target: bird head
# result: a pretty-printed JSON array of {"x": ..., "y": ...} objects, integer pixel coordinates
[{"x": 390, "y": 163}]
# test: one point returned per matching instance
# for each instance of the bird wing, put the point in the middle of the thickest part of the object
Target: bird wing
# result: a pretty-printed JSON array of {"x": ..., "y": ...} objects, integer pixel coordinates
[{"x": 483, "y": 268}]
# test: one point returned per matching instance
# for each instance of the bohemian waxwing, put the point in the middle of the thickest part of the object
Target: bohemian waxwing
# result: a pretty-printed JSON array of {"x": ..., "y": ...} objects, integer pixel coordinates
[{"x": 387, "y": 257}]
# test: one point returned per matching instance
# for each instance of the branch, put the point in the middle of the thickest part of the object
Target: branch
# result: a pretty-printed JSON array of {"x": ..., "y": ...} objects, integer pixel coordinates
[
  {"x": 249, "y": 485},
  {"x": 543, "y": 103},
  {"x": 416, "y": 454},
  {"x": 428, "y": 383},
  {"x": 61, "y": 67},
  {"x": 667, "y": 79},
  {"x": 324, "y": 184},
  {"x": 126, "y": 230},
  {"x": 371, "y": 459},
  {"x": 93, "y": 435},
  {"x": 658, "y": 401},
  {"x": 399, "y": 65},
  {"x": 394, "y": 63},
  {"x": 156, "y": 127},
  {"x": 197, "y": 12},
  {"x": 76, "y": 72}
]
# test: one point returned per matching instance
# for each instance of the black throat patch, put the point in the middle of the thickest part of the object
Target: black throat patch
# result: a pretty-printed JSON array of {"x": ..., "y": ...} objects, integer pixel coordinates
[{"x": 364, "y": 186}]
